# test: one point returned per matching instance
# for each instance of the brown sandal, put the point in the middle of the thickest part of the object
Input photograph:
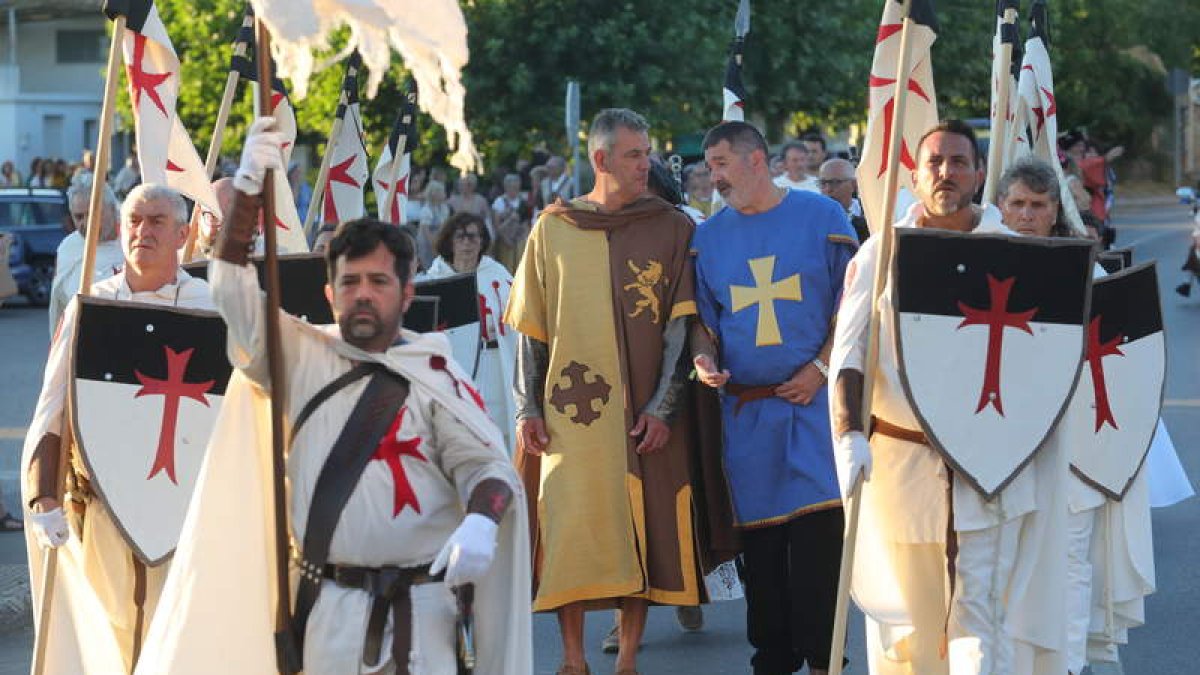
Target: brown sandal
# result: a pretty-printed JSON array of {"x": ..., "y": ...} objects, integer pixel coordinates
[{"x": 567, "y": 669}]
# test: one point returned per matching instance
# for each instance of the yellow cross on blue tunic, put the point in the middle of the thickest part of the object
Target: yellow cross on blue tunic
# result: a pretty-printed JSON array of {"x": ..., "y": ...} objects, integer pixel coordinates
[{"x": 764, "y": 293}]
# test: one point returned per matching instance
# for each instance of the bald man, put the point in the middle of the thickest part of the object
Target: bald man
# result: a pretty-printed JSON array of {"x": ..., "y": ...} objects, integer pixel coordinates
[{"x": 836, "y": 180}]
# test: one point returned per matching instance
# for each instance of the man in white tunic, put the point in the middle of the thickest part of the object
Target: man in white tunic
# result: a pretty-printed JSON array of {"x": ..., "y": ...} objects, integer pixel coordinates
[
  {"x": 1110, "y": 551},
  {"x": 424, "y": 507},
  {"x": 1005, "y": 600},
  {"x": 97, "y": 569},
  {"x": 68, "y": 265}
]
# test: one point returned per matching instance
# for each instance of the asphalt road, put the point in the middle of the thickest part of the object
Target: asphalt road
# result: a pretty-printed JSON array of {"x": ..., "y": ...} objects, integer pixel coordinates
[{"x": 1165, "y": 646}]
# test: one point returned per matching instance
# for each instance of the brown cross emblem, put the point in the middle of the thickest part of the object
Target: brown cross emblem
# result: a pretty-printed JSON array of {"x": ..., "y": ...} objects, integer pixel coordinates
[{"x": 580, "y": 394}]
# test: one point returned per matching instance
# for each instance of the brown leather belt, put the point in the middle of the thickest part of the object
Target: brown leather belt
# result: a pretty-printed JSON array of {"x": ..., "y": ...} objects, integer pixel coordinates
[
  {"x": 886, "y": 428},
  {"x": 748, "y": 393},
  {"x": 389, "y": 589}
]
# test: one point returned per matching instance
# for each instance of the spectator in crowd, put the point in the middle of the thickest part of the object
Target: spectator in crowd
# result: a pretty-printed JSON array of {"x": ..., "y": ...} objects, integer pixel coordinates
[
  {"x": 557, "y": 182},
  {"x": 795, "y": 161},
  {"x": 1095, "y": 175},
  {"x": 68, "y": 263},
  {"x": 9, "y": 176},
  {"x": 468, "y": 200},
  {"x": 129, "y": 177},
  {"x": 43, "y": 173},
  {"x": 416, "y": 197},
  {"x": 700, "y": 189},
  {"x": 777, "y": 166},
  {"x": 434, "y": 212},
  {"x": 35, "y": 170},
  {"x": 61, "y": 176},
  {"x": 836, "y": 180},
  {"x": 512, "y": 218},
  {"x": 536, "y": 202},
  {"x": 817, "y": 154}
]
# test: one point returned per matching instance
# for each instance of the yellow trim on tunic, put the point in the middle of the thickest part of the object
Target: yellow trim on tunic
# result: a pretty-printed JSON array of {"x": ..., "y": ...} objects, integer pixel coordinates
[
  {"x": 802, "y": 511},
  {"x": 685, "y": 308}
]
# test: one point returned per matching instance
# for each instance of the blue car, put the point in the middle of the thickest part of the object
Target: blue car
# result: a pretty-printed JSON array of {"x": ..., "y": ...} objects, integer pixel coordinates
[{"x": 37, "y": 218}]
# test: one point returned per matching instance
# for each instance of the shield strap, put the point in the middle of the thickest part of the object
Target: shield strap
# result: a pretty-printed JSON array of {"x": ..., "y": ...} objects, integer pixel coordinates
[{"x": 374, "y": 412}]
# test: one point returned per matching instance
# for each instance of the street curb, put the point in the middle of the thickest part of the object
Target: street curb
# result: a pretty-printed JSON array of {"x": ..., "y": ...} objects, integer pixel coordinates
[{"x": 16, "y": 604}]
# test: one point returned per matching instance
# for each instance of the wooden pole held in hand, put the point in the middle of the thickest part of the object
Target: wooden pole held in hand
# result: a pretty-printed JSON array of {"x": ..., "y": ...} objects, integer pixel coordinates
[
  {"x": 871, "y": 366},
  {"x": 278, "y": 383},
  {"x": 95, "y": 216}
]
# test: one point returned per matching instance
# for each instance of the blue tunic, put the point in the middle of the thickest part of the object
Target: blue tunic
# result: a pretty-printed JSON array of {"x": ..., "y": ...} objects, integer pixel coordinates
[{"x": 768, "y": 286}]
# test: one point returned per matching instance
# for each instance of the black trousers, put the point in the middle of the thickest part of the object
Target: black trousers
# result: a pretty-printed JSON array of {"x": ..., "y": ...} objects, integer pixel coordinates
[{"x": 790, "y": 573}]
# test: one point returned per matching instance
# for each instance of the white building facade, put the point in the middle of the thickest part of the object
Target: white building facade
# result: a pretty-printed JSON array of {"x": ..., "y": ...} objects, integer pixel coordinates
[{"x": 51, "y": 80}]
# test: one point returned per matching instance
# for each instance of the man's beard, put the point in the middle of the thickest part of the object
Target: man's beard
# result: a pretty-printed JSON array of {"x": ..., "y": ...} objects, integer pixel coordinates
[{"x": 364, "y": 325}]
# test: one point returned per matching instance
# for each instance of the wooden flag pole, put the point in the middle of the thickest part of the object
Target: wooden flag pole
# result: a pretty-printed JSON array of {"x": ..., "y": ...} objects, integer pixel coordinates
[
  {"x": 323, "y": 173},
  {"x": 95, "y": 218},
  {"x": 871, "y": 366},
  {"x": 393, "y": 174},
  {"x": 214, "y": 150},
  {"x": 283, "y": 603},
  {"x": 999, "y": 131}
]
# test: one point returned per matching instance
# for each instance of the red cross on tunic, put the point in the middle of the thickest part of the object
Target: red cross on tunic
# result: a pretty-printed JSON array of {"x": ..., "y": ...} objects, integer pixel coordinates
[
  {"x": 338, "y": 173},
  {"x": 390, "y": 451},
  {"x": 1096, "y": 351},
  {"x": 142, "y": 82},
  {"x": 401, "y": 189},
  {"x": 996, "y": 318},
  {"x": 172, "y": 390}
]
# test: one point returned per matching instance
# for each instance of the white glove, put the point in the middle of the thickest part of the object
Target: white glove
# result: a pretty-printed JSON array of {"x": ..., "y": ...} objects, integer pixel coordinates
[
  {"x": 263, "y": 150},
  {"x": 50, "y": 529},
  {"x": 469, "y": 551},
  {"x": 853, "y": 454}
]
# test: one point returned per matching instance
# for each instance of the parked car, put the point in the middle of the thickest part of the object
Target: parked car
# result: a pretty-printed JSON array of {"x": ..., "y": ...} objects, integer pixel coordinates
[{"x": 36, "y": 216}]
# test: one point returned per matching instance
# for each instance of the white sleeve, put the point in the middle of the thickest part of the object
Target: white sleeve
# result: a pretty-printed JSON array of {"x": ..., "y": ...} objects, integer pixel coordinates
[
  {"x": 239, "y": 300},
  {"x": 854, "y": 314},
  {"x": 48, "y": 414},
  {"x": 463, "y": 458}
]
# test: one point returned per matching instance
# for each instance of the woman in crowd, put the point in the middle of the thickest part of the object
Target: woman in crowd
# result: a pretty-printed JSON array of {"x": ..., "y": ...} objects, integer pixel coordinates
[
  {"x": 462, "y": 247},
  {"x": 9, "y": 176},
  {"x": 434, "y": 212}
]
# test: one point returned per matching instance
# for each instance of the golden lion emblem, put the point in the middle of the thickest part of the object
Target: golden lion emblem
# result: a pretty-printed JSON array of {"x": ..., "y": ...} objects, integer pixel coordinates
[{"x": 644, "y": 282}]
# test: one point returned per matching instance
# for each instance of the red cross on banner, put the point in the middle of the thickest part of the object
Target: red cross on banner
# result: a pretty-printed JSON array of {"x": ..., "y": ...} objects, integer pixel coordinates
[{"x": 142, "y": 82}]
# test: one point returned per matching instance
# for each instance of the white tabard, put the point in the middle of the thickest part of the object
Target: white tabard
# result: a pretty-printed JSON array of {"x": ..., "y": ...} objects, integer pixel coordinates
[
  {"x": 904, "y": 508},
  {"x": 497, "y": 360},
  {"x": 96, "y": 577},
  {"x": 403, "y": 509}
]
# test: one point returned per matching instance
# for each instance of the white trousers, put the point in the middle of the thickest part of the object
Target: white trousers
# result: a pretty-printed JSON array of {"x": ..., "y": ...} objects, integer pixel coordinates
[
  {"x": 978, "y": 642},
  {"x": 1079, "y": 586},
  {"x": 333, "y": 642}
]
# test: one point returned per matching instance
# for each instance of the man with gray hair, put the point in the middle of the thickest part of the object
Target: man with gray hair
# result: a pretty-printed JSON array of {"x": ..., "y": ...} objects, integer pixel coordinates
[
  {"x": 601, "y": 299},
  {"x": 837, "y": 181},
  {"x": 68, "y": 262},
  {"x": 154, "y": 227},
  {"x": 1030, "y": 201},
  {"x": 557, "y": 183}
]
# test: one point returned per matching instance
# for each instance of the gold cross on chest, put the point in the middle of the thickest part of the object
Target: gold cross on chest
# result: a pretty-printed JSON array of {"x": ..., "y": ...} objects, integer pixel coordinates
[{"x": 764, "y": 293}]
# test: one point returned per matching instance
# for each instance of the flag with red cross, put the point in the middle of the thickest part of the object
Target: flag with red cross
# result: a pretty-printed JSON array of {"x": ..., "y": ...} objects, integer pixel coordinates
[
  {"x": 920, "y": 111},
  {"x": 403, "y": 131},
  {"x": 348, "y": 167},
  {"x": 165, "y": 150}
]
